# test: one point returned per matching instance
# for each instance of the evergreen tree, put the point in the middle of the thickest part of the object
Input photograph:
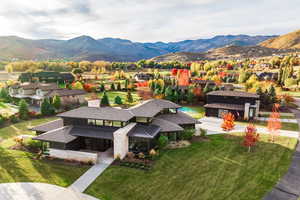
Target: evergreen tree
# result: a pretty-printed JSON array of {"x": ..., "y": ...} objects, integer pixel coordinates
[
  {"x": 112, "y": 87},
  {"x": 181, "y": 96},
  {"x": 126, "y": 84},
  {"x": 102, "y": 87},
  {"x": 56, "y": 102},
  {"x": 118, "y": 100},
  {"x": 169, "y": 94},
  {"x": 4, "y": 95},
  {"x": 119, "y": 88},
  {"x": 176, "y": 96},
  {"x": 47, "y": 108},
  {"x": 104, "y": 100},
  {"x": 23, "y": 109},
  {"x": 190, "y": 96},
  {"x": 206, "y": 89},
  {"x": 272, "y": 95},
  {"x": 129, "y": 97}
]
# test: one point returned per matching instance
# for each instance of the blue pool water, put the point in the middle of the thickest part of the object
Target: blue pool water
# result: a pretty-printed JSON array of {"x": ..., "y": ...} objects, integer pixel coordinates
[{"x": 187, "y": 110}]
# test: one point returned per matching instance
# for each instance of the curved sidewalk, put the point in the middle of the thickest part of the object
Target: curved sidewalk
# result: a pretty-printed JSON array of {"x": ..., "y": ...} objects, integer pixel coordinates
[
  {"x": 39, "y": 191},
  {"x": 288, "y": 188}
]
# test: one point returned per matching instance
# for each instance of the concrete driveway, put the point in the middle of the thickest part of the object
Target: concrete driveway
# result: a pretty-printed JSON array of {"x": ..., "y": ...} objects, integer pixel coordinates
[
  {"x": 213, "y": 126},
  {"x": 39, "y": 191}
]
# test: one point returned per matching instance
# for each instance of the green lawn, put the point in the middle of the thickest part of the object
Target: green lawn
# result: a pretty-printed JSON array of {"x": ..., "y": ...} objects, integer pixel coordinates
[
  {"x": 112, "y": 95},
  {"x": 284, "y": 125},
  {"x": 219, "y": 169},
  {"x": 19, "y": 166}
]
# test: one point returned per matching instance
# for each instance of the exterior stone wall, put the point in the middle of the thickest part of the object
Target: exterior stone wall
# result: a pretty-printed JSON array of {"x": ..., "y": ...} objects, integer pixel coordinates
[
  {"x": 121, "y": 141},
  {"x": 74, "y": 155}
]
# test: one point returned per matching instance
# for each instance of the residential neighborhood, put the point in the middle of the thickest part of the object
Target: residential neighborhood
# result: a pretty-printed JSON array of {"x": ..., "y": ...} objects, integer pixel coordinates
[{"x": 149, "y": 100}]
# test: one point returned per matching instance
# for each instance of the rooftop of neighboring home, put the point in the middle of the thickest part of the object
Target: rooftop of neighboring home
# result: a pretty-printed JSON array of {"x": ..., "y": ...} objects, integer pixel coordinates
[
  {"x": 233, "y": 94},
  {"x": 51, "y": 89}
]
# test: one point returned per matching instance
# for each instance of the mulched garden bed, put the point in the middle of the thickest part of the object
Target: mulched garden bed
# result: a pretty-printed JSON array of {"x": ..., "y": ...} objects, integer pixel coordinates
[{"x": 200, "y": 139}]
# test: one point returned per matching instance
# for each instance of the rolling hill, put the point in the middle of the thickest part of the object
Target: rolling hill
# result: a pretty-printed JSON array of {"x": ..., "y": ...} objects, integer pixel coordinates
[
  {"x": 287, "y": 41},
  {"x": 111, "y": 49},
  {"x": 228, "y": 52}
]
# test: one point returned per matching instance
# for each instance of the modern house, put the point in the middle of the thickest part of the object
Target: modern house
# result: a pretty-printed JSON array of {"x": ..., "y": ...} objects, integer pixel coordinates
[
  {"x": 140, "y": 77},
  {"x": 36, "y": 92},
  {"x": 47, "y": 77},
  {"x": 96, "y": 129},
  {"x": 243, "y": 105}
]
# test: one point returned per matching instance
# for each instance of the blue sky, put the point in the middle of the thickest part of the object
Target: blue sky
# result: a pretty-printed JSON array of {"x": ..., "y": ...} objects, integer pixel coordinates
[{"x": 147, "y": 20}]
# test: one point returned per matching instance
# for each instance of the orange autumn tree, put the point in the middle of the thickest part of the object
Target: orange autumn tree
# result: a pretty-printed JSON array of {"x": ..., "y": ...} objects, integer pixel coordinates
[
  {"x": 251, "y": 136},
  {"x": 228, "y": 122},
  {"x": 183, "y": 77},
  {"x": 274, "y": 123}
]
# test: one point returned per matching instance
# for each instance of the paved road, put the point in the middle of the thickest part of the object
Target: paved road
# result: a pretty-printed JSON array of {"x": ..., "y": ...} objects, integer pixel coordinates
[
  {"x": 288, "y": 188},
  {"x": 213, "y": 126},
  {"x": 39, "y": 191}
]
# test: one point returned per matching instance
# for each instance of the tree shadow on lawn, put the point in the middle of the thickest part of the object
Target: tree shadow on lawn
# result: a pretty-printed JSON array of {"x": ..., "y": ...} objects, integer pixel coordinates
[
  {"x": 219, "y": 169},
  {"x": 10, "y": 168},
  {"x": 58, "y": 173}
]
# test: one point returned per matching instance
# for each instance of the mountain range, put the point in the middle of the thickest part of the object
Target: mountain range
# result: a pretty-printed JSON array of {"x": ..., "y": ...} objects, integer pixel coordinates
[
  {"x": 277, "y": 45},
  {"x": 112, "y": 49}
]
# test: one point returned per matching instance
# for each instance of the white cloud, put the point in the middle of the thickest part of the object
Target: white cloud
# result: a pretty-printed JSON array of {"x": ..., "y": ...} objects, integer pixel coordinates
[{"x": 146, "y": 20}]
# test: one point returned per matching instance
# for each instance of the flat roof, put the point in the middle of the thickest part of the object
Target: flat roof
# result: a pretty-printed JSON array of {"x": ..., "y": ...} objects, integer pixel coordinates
[
  {"x": 61, "y": 135},
  {"x": 233, "y": 94},
  {"x": 144, "y": 131},
  {"x": 225, "y": 106},
  {"x": 48, "y": 126},
  {"x": 103, "y": 132},
  {"x": 101, "y": 113}
]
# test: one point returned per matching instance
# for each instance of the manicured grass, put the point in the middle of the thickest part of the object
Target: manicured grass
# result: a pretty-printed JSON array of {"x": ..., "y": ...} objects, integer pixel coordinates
[
  {"x": 8, "y": 133},
  {"x": 3, "y": 105},
  {"x": 284, "y": 125},
  {"x": 292, "y": 116},
  {"x": 19, "y": 166},
  {"x": 112, "y": 95},
  {"x": 219, "y": 169}
]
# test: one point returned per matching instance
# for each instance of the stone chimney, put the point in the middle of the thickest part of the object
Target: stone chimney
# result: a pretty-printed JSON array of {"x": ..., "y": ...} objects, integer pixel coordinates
[{"x": 94, "y": 103}]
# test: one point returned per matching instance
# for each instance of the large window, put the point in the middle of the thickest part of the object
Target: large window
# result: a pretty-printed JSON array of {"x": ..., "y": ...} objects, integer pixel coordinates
[
  {"x": 142, "y": 119},
  {"x": 99, "y": 123}
]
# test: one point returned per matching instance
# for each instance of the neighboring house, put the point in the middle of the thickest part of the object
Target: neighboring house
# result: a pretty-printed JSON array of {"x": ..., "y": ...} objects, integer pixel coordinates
[
  {"x": 203, "y": 83},
  {"x": 47, "y": 77},
  {"x": 262, "y": 76},
  {"x": 97, "y": 129},
  {"x": 139, "y": 77},
  {"x": 36, "y": 92},
  {"x": 243, "y": 105}
]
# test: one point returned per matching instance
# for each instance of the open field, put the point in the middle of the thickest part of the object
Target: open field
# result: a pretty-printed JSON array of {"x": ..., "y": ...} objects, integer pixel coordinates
[
  {"x": 219, "y": 169},
  {"x": 19, "y": 166}
]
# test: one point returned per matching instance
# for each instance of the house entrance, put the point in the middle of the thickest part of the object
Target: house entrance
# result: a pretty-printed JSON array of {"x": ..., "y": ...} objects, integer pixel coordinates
[
  {"x": 222, "y": 112},
  {"x": 97, "y": 144}
]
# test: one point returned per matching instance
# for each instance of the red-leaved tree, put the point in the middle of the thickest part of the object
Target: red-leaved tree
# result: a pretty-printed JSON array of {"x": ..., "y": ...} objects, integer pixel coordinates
[
  {"x": 251, "y": 136},
  {"x": 228, "y": 122},
  {"x": 274, "y": 123}
]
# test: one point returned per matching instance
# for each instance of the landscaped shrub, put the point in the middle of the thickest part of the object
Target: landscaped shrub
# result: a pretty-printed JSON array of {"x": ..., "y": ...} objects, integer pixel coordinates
[
  {"x": 162, "y": 141},
  {"x": 2, "y": 120},
  {"x": 14, "y": 119},
  {"x": 203, "y": 132},
  {"x": 23, "y": 109},
  {"x": 188, "y": 134},
  {"x": 118, "y": 100}
]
